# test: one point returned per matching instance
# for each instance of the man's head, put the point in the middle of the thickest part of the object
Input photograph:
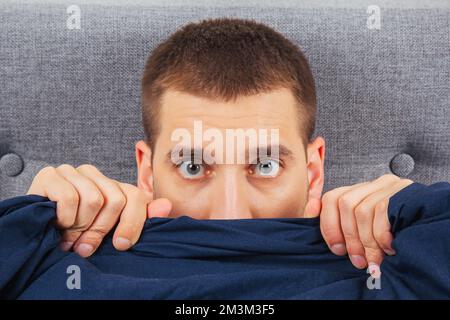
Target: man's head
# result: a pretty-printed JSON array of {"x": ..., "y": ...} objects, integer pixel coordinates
[{"x": 231, "y": 74}]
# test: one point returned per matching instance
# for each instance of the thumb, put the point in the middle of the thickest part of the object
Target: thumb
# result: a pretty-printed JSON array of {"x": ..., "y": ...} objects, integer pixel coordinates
[{"x": 159, "y": 208}]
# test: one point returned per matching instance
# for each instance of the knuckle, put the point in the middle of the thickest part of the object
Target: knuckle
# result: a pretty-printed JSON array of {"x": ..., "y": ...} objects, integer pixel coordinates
[
  {"x": 373, "y": 254},
  {"x": 47, "y": 168},
  {"x": 354, "y": 247},
  {"x": 350, "y": 236},
  {"x": 372, "y": 249},
  {"x": 389, "y": 177},
  {"x": 71, "y": 235},
  {"x": 118, "y": 202},
  {"x": 333, "y": 194},
  {"x": 382, "y": 236},
  {"x": 66, "y": 222},
  {"x": 131, "y": 191},
  {"x": 330, "y": 233},
  {"x": 86, "y": 167},
  {"x": 369, "y": 243},
  {"x": 345, "y": 202},
  {"x": 65, "y": 166},
  {"x": 362, "y": 211},
  {"x": 46, "y": 171},
  {"x": 126, "y": 186},
  {"x": 95, "y": 201},
  {"x": 382, "y": 205},
  {"x": 379, "y": 236},
  {"x": 328, "y": 196},
  {"x": 40, "y": 178},
  {"x": 97, "y": 232},
  {"x": 70, "y": 198},
  {"x": 80, "y": 226}
]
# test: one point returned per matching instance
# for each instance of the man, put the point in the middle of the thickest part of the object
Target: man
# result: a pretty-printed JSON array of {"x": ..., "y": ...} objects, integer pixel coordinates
[{"x": 227, "y": 74}]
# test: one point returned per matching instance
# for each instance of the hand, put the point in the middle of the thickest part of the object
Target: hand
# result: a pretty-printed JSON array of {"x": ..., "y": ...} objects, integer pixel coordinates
[
  {"x": 89, "y": 205},
  {"x": 354, "y": 219}
]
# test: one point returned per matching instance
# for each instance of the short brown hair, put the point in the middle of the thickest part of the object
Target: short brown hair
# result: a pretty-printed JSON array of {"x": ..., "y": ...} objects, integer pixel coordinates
[{"x": 225, "y": 58}]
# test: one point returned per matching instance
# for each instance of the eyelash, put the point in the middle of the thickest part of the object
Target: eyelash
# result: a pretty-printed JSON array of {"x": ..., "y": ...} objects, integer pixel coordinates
[
  {"x": 207, "y": 167},
  {"x": 280, "y": 162},
  {"x": 178, "y": 164}
]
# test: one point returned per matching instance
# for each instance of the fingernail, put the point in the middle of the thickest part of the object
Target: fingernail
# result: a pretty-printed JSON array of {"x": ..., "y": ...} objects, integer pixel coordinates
[
  {"x": 66, "y": 245},
  {"x": 85, "y": 250},
  {"x": 358, "y": 261},
  {"x": 122, "y": 243},
  {"x": 338, "y": 249},
  {"x": 390, "y": 251}
]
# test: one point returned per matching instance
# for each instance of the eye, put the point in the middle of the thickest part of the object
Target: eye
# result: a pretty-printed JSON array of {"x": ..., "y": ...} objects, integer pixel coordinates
[
  {"x": 190, "y": 170},
  {"x": 267, "y": 168}
]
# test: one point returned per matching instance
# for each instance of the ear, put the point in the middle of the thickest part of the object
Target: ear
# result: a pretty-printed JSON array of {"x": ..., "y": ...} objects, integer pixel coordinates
[
  {"x": 144, "y": 166},
  {"x": 315, "y": 168}
]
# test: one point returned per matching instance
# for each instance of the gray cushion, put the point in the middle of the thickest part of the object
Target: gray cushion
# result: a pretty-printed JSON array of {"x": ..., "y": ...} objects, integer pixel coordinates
[{"x": 72, "y": 96}]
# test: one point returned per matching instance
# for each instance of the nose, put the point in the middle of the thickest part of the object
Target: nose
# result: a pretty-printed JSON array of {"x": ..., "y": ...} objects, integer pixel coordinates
[{"x": 230, "y": 199}]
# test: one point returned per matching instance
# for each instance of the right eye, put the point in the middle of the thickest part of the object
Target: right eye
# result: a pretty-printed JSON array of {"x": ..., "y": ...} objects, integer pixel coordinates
[{"x": 190, "y": 170}]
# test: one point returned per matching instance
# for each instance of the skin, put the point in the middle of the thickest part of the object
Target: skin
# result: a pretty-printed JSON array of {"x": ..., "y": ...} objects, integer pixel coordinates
[{"x": 353, "y": 219}]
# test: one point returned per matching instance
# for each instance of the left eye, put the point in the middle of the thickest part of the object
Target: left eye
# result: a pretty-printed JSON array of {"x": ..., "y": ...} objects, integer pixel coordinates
[
  {"x": 267, "y": 168},
  {"x": 189, "y": 170}
]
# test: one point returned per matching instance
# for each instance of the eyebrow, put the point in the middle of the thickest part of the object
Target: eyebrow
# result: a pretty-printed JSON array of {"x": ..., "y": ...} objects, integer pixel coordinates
[{"x": 283, "y": 152}]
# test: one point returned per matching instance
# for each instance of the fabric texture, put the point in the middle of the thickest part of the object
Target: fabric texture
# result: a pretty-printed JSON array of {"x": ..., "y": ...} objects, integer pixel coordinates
[
  {"x": 185, "y": 258},
  {"x": 72, "y": 95}
]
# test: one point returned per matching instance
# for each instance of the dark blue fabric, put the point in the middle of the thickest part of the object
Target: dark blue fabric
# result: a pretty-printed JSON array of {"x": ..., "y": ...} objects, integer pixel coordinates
[{"x": 185, "y": 258}]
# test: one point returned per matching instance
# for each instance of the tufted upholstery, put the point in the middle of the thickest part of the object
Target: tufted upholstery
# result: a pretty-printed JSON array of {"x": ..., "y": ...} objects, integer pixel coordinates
[{"x": 72, "y": 95}]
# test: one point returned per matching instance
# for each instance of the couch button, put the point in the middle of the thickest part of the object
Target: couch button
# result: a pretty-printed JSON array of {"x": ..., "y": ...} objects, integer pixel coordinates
[
  {"x": 11, "y": 164},
  {"x": 402, "y": 165}
]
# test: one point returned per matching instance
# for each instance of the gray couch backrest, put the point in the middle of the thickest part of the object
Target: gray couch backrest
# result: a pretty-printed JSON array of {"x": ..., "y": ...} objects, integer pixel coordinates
[{"x": 71, "y": 95}]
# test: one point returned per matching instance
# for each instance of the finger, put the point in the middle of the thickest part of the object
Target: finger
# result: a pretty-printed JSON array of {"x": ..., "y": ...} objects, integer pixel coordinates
[
  {"x": 91, "y": 200},
  {"x": 106, "y": 219},
  {"x": 330, "y": 221},
  {"x": 49, "y": 183},
  {"x": 381, "y": 226},
  {"x": 347, "y": 205},
  {"x": 159, "y": 208},
  {"x": 132, "y": 218},
  {"x": 353, "y": 244},
  {"x": 364, "y": 214}
]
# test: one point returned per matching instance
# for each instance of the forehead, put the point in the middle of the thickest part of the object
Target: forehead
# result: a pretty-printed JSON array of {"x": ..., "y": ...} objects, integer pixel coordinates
[{"x": 273, "y": 110}]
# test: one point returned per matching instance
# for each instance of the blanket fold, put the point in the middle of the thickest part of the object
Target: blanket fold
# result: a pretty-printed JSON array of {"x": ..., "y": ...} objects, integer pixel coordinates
[{"x": 186, "y": 258}]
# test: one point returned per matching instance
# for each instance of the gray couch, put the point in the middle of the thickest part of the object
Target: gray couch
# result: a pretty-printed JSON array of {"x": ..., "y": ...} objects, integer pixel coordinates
[{"x": 72, "y": 95}]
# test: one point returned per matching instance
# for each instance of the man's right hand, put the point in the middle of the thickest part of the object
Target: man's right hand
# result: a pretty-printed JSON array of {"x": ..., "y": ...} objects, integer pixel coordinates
[{"x": 89, "y": 205}]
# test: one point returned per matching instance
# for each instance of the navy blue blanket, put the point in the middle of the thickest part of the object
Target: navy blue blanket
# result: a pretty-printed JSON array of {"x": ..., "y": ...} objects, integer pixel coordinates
[{"x": 185, "y": 258}]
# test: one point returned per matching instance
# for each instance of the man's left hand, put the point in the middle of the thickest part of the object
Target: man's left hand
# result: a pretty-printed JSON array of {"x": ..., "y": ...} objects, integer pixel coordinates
[{"x": 354, "y": 219}]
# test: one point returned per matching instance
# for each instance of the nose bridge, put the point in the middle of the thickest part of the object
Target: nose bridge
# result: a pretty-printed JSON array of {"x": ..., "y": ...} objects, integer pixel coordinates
[{"x": 231, "y": 198}]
